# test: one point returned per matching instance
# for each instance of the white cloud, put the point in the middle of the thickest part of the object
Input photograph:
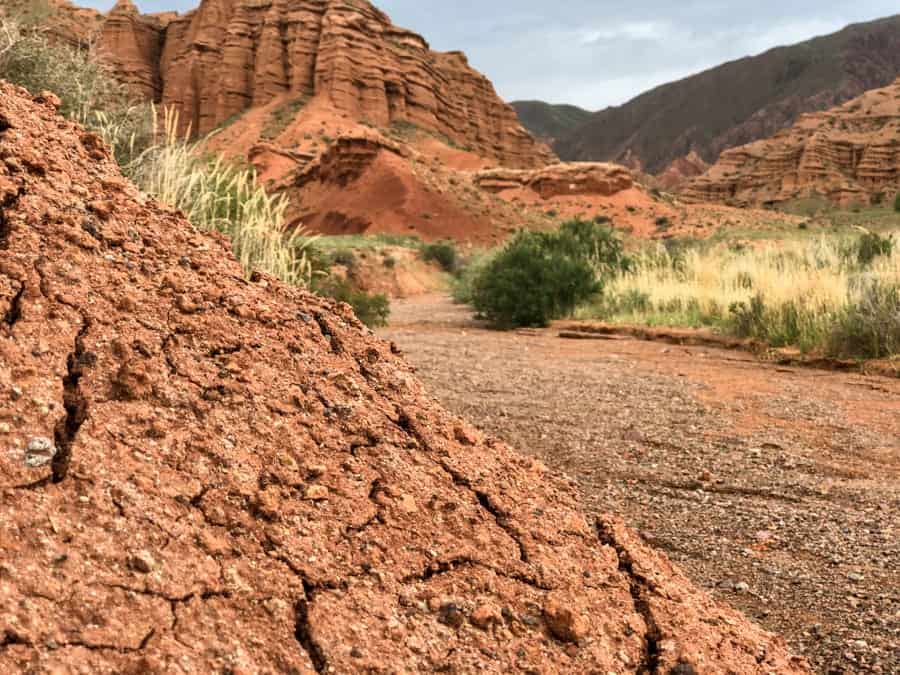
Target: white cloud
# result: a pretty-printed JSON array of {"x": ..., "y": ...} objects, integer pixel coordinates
[{"x": 632, "y": 30}]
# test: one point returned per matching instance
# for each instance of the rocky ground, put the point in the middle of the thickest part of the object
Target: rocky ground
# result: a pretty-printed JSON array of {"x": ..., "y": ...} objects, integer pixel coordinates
[
  {"x": 777, "y": 489},
  {"x": 205, "y": 473}
]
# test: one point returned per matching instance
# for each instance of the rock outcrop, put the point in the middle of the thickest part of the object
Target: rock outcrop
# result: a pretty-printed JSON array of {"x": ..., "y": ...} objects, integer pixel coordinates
[
  {"x": 560, "y": 180},
  {"x": 205, "y": 473},
  {"x": 225, "y": 57},
  {"x": 850, "y": 155}
]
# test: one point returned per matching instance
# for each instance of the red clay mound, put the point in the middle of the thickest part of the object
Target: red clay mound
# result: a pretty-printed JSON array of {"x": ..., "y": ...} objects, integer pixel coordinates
[{"x": 204, "y": 474}]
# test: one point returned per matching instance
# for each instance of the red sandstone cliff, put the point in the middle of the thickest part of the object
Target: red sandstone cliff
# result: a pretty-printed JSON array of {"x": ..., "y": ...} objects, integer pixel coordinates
[
  {"x": 849, "y": 154},
  {"x": 231, "y": 55}
]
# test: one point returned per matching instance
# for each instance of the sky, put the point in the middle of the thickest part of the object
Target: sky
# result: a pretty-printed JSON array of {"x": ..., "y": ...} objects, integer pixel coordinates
[{"x": 596, "y": 53}]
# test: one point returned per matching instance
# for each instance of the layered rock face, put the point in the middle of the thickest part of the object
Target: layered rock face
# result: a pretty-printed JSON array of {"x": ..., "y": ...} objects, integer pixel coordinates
[
  {"x": 230, "y": 55},
  {"x": 850, "y": 154},
  {"x": 560, "y": 180},
  {"x": 202, "y": 473}
]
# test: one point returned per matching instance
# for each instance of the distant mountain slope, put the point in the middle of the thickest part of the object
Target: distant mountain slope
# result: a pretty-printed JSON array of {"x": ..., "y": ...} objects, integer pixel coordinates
[
  {"x": 849, "y": 154},
  {"x": 740, "y": 101},
  {"x": 550, "y": 122}
]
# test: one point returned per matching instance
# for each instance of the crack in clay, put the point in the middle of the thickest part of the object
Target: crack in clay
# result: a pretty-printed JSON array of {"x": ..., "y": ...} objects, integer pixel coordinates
[
  {"x": 334, "y": 341},
  {"x": 15, "y": 306},
  {"x": 12, "y": 639},
  {"x": 75, "y": 404},
  {"x": 638, "y": 586},
  {"x": 302, "y": 629},
  {"x": 500, "y": 516}
]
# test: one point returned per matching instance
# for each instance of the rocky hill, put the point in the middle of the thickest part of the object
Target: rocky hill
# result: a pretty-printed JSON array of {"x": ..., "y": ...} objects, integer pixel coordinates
[
  {"x": 550, "y": 122},
  {"x": 741, "y": 101},
  {"x": 211, "y": 474},
  {"x": 849, "y": 154}
]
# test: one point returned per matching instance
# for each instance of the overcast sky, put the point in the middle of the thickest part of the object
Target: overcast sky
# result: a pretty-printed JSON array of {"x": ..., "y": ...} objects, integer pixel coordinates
[{"x": 596, "y": 53}]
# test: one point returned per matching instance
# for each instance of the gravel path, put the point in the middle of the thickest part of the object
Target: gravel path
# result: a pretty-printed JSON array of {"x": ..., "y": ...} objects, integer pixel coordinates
[{"x": 778, "y": 489}]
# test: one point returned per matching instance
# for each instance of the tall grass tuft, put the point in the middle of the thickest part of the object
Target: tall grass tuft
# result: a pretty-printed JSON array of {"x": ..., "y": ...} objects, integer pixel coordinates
[{"x": 219, "y": 196}]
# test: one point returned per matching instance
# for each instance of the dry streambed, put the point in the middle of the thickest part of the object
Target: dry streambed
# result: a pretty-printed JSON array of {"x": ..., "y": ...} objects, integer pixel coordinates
[{"x": 776, "y": 488}]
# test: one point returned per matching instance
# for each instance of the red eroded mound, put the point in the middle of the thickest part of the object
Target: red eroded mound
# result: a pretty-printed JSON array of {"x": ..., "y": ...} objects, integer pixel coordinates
[{"x": 204, "y": 474}]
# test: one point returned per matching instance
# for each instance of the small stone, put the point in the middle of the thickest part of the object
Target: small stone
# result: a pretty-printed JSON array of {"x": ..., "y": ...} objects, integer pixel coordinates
[
  {"x": 485, "y": 616},
  {"x": 317, "y": 470},
  {"x": 451, "y": 615},
  {"x": 4, "y": 428},
  {"x": 742, "y": 587},
  {"x": 565, "y": 624},
  {"x": 15, "y": 393},
  {"x": 856, "y": 576},
  {"x": 50, "y": 99},
  {"x": 142, "y": 562},
  {"x": 316, "y": 493},
  {"x": 39, "y": 452}
]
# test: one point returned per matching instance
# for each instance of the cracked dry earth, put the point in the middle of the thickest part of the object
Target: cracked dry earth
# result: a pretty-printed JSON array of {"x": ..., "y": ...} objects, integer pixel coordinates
[
  {"x": 776, "y": 489},
  {"x": 204, "y": 474}
]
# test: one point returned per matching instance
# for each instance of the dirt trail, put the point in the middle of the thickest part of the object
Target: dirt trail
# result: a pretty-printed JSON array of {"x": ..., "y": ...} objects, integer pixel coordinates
[{"x": 778, "y": 489}]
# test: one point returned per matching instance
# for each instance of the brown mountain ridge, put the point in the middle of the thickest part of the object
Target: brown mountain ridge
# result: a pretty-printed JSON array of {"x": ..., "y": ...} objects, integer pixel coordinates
[{"x": 755, "y": 97}]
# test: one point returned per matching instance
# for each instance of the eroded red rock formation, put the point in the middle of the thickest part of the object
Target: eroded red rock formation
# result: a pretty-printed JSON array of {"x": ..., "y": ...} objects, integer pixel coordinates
[
  {"x": 208, "y": 474},
  {"x": 228, "y": 56},
  {"x": 560, "y": 180},
  {"x": 849, "y": 154}
]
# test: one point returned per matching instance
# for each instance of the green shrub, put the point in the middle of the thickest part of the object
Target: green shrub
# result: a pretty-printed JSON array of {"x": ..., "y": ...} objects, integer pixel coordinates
[
  {"x": 869, "y": 327},
  {"x": 790, "y": 323},
  {"x": 541, "y": 276},
  {"x": 344, "y": 257},
  {"x": 596, "y": 243},
  {"x": 897, "y": 203},
  {"x": 443, "y": 253},
  {"x": 532, "y": 281},
  {"x": 862, "y": 251}
]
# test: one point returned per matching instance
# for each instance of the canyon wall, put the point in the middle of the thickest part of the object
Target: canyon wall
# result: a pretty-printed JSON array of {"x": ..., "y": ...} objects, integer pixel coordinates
[{"x": 227, "y": 56}]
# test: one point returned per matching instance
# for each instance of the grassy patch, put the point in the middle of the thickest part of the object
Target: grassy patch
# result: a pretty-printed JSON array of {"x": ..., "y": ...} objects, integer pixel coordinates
[{"x": 282, "y": 116}]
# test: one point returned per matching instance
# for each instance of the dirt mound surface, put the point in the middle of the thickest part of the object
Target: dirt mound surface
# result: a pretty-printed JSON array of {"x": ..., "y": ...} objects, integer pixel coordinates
[{"x": 215, "y": 475}]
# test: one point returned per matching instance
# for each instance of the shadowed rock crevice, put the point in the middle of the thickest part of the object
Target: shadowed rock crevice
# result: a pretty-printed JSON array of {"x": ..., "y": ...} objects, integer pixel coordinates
[
  {"x": 14, "y": 313},
  {"x": 639, "y": 587},
  {"x": 303, "y": 629},
  {"x": 74, "y": 402},
  {"x": 7, "y": 204}
]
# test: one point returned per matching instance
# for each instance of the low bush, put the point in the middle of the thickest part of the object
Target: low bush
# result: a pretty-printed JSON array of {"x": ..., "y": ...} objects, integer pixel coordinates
[
  {"x": 444, "y": 253},
  {"x": 869, "y": 326},
  {"x": 540, "y": 276},
  {"x": 897, "y": 203},
  {"x": 862, "y": 251}
]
